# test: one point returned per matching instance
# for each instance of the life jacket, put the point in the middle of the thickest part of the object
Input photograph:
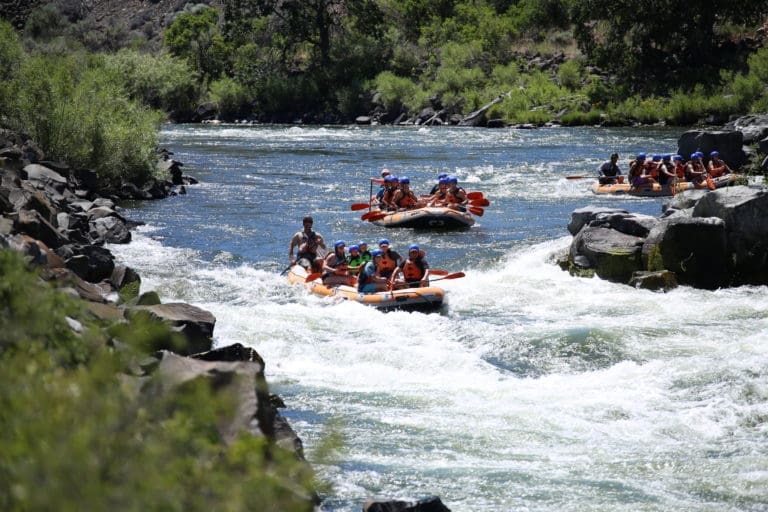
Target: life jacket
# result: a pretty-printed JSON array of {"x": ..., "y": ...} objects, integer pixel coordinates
[
  {"x": 635, "y": 169},
  {"x": 700, "y": 171},
  {"x": 413, "y": 270},
  {"x": 364, "y": 278},
  {"x": 388, "y": 263},
  {"x": 335, "y": 260},
  {"x": 408, "y": 200},
  {"x": 652, "y": 169},
  {"x": 680, "y": 170},
  {"x": 452, "y": 196},
  {"x": 388, "y": 196},
  {"x": 717, "y": 170}
]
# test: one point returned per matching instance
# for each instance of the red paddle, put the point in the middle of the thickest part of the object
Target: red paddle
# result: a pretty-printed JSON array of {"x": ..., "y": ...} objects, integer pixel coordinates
[
  {"x": 360, "y": 206},
  {"x": 475, "y": 195},
  {"x": 476, "y": 210},
  {"x": 480, "y": 202},
  {"x": 376, "y": 216}
]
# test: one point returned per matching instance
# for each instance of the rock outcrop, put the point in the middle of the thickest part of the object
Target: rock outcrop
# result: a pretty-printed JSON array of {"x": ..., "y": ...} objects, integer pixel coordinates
[{"x": 703, "y": 239}]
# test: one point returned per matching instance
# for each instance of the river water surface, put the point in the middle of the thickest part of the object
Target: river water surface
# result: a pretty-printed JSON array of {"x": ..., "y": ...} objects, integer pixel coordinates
[{"x": 531, "y": 390}]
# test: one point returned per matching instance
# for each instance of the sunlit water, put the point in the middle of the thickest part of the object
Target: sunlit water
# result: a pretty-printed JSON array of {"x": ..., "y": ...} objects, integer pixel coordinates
[{"x": 532, "y": 389}]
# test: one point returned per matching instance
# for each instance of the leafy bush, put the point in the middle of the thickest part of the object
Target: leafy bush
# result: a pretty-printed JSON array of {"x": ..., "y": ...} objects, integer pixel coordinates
[
  {"x": 394, "y": 91},
  {"x": 158, "y": 81},
  {"x": 78, "y": 113},
  {"x": 231, "y": 99},
  {"x": 576, "y": 118},
  {"x": 569, "y": 74}
]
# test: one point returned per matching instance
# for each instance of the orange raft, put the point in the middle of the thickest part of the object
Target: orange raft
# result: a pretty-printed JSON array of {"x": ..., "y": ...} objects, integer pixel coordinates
[
  {"x": 426, "y": 299},
  {"x": 431, "y": 217},
  {"x": 656, "y": 190}
]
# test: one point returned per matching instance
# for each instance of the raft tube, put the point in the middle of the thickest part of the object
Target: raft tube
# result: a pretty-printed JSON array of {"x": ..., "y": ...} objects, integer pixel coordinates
[
  {"x": 426, "y": 299},
  {"x": 656, "y": 190},
  {"x": 431, "y": 217}
]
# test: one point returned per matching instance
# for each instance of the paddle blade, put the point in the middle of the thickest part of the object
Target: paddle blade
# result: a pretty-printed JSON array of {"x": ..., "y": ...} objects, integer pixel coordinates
[
  {"x": 438, "y": 272},
  {"x": 474, "y": 195},
  {"x": 360, "y": 206},
  {"x": 313, "y": 277},
  {"x": 480, "y": 202},
  {"x": 376, "y": 216},
  {"x": 476, "y": 211},
  {"x": 578, "y": 177},
  {"x": 370, "y": 214}
]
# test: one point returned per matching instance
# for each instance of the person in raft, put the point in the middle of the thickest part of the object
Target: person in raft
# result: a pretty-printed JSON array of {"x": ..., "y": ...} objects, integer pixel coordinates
[
  {"x": 456, "y": 197},
  {"x": 436, "y": 186},
  {"x": 308, "y": 242},
  {"x": 404, "y": 198},
  {"x": 390, "y": 259},
  {"x": 609, "y": 172},
  {"x": 370, "y": 279},
  {"x": 336, "y": 266},
  {"x": 414, "y": 269},
  {"x": 716, "y": 166}
]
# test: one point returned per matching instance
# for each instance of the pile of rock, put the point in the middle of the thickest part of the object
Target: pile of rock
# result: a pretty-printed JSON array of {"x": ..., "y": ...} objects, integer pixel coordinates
[{"x": 703, "y": 239}]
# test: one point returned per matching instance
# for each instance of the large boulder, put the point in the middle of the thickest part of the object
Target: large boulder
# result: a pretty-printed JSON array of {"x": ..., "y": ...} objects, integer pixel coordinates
[
  {"x": 196, "y": 324},
  {"x": 431, "y": 504},
  {"x": 693, "y": 248},
  {"x": 583, "y": 216},
  {"x": 730, "y": 144},
  {"x": 613, "y": 255},
  {"x": 745, "y": 213},
  {"x": 752, "y": 127}
]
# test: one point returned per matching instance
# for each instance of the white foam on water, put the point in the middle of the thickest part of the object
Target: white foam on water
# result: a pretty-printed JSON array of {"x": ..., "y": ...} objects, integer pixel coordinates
[{"x": 532, "y": 385}]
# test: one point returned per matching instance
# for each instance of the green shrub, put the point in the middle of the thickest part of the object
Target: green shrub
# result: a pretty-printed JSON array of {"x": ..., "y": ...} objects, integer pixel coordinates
[
  {"x": 78, "y": 112},
  {"x": 576, "y": 118},
  {"x": 394, "y": 91},
  {"x": 569, "y": 74},
  {"x": 159, "y": 81},
  {"x": 231, "y": 99}
]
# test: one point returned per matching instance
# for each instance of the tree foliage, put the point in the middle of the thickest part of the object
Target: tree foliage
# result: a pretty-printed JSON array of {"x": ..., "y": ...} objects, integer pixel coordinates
[{"x": 654, "y": 43}]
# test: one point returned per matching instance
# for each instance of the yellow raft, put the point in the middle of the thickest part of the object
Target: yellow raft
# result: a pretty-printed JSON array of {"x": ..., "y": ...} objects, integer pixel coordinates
[
  {"x": 431, "y": 217},
  {"x": 656, "y": 190},
  {"x": 424, "y": 299}
]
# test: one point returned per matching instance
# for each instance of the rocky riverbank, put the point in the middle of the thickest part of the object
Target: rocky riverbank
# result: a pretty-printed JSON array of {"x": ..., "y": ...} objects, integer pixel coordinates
[{"x": 57, "y": 219}]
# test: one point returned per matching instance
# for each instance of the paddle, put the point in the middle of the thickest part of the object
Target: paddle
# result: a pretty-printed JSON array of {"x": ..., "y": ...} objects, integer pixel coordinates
[
  {"x": 438, "y": 272},
  {"x": 372, "y": 213},
  {"x": 286, "y": 270},
  {"x": 455, "y": 275},
  {"x": 475, "y": 195},
  {"x": 360, "y": 206},
  {"x": 312, "y": 277},
  {"x": 476, "y": 210},
  {"x": 480, "y": 202},
  {"x": 376, "y": 216},
  {"x": 580, "y": 177}
]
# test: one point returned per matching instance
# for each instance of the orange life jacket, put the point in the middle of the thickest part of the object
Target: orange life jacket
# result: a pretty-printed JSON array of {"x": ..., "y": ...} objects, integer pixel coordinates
[
  {"x": 717, "y": 170},
  {"x": 680, "y": 170},
  {"x": 408, "y": 200}
]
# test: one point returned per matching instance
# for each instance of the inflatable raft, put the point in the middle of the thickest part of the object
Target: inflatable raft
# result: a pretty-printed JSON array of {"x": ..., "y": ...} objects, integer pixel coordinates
[
  {"x": 656, "y": 190},
  {"x": 424, "y": 299},
  {"x": 427, "y": 218}
]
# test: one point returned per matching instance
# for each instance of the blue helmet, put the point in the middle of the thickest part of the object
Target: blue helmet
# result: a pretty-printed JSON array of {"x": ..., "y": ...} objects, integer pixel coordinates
[
  {"x": 453, "y": 179},
  {"x": 442, "y": 175},
  {"x": 383, "y": 241},
  {"x": 656, "y": 158},
  {"x": 376, "y": 252},
  {"x": 405, "y": 179},
  {"x": 640, "y": 156},
  {"x": 443, "y": 181},
  {"x": 413, "y": 247},
  {"x": 339, "y": 243},
  {"x": 390, "y": 178},
  {"x": 714, "y": 153},
  {"x": 677, "y": 157},
  {"x": 666, "y": 156},
  {"x": 354, "y": 248},
  {"x": 696, "y": 155},
  {"x": 363, "y": 243}
]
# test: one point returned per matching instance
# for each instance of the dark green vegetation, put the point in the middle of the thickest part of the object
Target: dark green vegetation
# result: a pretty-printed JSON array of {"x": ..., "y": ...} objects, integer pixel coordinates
[
  {"x": 576, "y": 62},
  {"x": 76, "y": 434}
]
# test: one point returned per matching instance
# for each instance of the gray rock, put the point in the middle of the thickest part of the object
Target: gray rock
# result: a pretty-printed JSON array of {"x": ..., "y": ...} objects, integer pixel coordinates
[
  {"x": 613, "y": 255},
  {"x": 583, "y": 216},
  {"x": 662, "y": 280},
  {"x": 194, "y": 323},
  {"x": 693, "y": 248}
]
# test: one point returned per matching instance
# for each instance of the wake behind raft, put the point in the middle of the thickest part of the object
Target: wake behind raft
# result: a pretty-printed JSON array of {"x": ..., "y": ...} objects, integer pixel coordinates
[{"x": 425, "y": 299}]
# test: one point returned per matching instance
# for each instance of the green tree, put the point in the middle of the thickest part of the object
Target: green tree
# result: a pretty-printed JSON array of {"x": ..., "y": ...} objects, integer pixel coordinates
[
  {"x": 195, "y": 36},
  {"x": 652, "y": 43}
]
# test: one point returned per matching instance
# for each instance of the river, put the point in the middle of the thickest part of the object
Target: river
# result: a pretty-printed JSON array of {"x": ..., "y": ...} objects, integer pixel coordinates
[{"x": 532, "y": 390}]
